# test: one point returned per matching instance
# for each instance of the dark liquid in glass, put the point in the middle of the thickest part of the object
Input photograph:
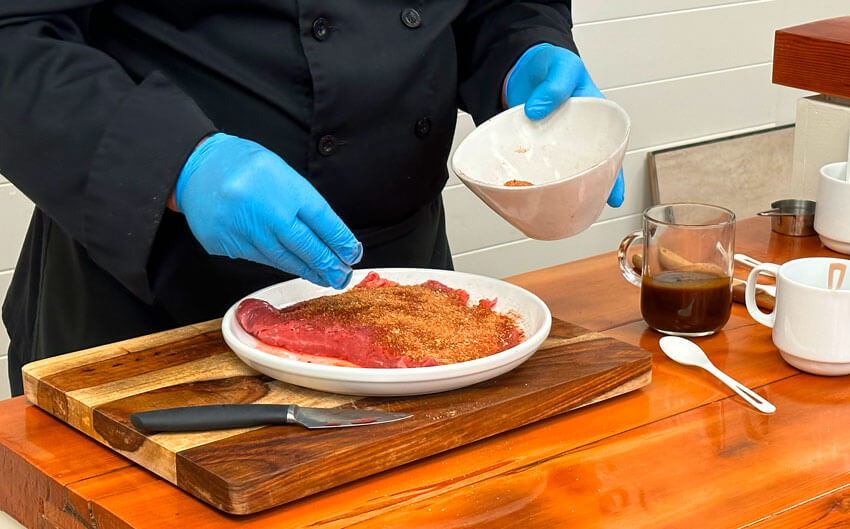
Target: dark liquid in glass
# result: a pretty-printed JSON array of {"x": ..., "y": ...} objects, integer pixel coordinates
[{"x": 686, "y": 302}]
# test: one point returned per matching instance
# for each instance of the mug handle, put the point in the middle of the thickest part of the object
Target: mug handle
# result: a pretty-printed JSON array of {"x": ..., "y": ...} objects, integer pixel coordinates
[
  {"x": 766, "y": 319},
  {"x": 623, "y": 254}
]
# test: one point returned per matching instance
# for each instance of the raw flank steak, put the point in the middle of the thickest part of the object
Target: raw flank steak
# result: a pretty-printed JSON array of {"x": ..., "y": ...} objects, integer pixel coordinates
[{"x": 380, "y": 323}]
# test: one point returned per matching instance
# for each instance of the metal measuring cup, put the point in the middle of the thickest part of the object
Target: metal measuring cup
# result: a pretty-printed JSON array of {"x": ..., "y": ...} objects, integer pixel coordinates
[{"x": 792, "y": 217}]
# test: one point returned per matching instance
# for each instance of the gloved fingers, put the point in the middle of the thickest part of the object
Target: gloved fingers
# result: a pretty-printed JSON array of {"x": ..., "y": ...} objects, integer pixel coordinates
[
  {"x": 300, "y": 240},
  {"x": 588, "y": 88},
  {"x": 561, "y": 81},
  {"x": 615, "y": 199},
  {"x": 323, "y": 221},
  {"x": 269, "y": 251}
]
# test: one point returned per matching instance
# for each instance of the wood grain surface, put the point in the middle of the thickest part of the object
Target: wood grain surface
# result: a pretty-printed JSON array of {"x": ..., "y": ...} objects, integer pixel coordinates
[
  {"x": 683, "y": 451},
  {"x": 246, "y": 470},
  {"x": 814, "y": 56}
]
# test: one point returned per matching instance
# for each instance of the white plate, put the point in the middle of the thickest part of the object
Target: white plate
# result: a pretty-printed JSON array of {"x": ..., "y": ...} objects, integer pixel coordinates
[{"x": 535, "y": 319}]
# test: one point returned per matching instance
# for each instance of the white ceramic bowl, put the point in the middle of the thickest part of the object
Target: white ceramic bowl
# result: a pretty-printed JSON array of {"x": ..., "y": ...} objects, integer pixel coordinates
[
  {"x": 572, "y": 157},
  {"x": 535, "y": 320}
]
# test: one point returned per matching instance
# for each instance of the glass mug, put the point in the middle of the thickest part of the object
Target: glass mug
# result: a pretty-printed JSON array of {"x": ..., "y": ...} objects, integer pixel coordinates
[{"x": 686, "y": 267}]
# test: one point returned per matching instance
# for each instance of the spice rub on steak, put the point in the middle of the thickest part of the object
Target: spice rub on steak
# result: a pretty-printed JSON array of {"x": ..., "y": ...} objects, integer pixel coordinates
[{"x": 380, "y": 323}]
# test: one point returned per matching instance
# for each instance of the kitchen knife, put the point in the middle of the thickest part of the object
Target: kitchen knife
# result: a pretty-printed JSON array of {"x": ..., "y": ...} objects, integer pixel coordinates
[{"x": 220, "y": 416}]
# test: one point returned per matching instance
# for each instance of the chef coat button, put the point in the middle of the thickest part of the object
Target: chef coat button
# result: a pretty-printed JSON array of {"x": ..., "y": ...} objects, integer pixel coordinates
[
  {"x": 328, "y": 145},
  {"x": 411, "y": 17},
  {"x": 321, "y": 28},
  {"x": 423, "y": 127}
]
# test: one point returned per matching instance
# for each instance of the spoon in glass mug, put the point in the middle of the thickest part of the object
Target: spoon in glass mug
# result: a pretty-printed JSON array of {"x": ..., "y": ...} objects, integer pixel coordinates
[{"x": 688, "y": 353}]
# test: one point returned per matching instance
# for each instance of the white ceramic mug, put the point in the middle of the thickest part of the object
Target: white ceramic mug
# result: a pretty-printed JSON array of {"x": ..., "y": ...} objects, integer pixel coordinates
[
  {"x": 811, "y": 321},
  {"x": 832, "y": 216}
]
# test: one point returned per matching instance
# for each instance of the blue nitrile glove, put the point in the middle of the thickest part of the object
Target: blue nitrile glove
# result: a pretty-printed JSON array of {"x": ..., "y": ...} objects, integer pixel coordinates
[
  {"x": 544, "y": 77},
  {"x": 241, "y": 200}
]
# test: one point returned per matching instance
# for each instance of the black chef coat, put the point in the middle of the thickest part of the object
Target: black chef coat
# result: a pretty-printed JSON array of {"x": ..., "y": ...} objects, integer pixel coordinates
[{"x": 101, "y": 102}]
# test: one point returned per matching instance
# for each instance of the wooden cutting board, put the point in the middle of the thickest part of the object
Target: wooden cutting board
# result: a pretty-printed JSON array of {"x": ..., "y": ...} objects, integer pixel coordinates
[{"x": 246, "y": 470}]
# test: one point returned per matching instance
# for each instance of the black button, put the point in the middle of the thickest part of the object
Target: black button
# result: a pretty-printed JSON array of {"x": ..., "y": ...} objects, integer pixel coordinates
[
  {"x": 411, "y": 17},
  {"x": 328, "y": 145},
  {"x": 423, "y": 127},
  {"x": 321, "y": 28}
]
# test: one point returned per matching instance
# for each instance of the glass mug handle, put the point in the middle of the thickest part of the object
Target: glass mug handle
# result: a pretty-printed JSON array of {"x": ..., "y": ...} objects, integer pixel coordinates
[{"x": 623, "y": 254}]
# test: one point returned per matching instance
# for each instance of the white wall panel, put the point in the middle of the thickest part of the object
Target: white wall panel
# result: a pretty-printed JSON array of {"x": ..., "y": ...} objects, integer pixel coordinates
[
  {"x": 595, "y": 10},
  {"x": 464, "y": 126},
  {"x": 637, "y": 50},
  {"x": 527, "y": 254},
  {"x": 15, "y": 212},
  {"x": 471, "y": 224},
  {"x": 638, "y": 194},
  {"x": 793, "y": 12},
  {"x": 786, "y": 103},
  {"x": 690, "y": 107},
  {"x": 796, "y": 12}
]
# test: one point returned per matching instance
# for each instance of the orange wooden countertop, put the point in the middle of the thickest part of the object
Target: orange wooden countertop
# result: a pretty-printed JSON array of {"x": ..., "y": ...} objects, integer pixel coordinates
[{"x": 681, "y": 452}]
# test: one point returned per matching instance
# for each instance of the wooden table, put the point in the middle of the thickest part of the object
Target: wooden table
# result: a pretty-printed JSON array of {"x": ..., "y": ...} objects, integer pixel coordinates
[{"x": 682, "y": 452}]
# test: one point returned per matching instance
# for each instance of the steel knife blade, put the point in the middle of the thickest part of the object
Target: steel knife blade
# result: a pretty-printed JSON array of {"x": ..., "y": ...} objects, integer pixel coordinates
[{"x": 221, "y": 416}]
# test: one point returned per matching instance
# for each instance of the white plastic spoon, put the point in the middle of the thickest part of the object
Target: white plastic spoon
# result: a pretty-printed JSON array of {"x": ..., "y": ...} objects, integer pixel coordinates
[
  {"x": 688, "y": 353},
  {"x": 746, "y": 260}
]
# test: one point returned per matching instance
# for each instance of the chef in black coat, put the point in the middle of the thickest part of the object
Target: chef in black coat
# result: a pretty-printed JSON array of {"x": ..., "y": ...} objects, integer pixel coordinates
[{"x": 184, "y": 154}]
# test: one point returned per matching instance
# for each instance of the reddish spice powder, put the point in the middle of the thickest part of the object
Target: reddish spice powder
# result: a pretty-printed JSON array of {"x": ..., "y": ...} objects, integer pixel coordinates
[{"x": 419, "y": 321}]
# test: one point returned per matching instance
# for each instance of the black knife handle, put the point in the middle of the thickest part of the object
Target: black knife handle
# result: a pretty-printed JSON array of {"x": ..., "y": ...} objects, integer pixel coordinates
[{"x": 213, "y": 417}]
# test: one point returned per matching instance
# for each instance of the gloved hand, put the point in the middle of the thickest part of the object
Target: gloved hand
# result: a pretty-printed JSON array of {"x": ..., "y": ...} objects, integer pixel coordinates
[
  {"x": 243, "y": 201},
  {"x": 544, "y": 77}
]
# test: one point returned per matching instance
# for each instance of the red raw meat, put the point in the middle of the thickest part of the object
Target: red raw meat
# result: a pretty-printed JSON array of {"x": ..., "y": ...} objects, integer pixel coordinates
[{"x": 380, "y": 323}]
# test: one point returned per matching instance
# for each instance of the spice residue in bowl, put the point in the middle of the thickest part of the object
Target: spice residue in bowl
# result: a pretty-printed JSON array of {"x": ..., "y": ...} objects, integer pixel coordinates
[{"x": 517, "y": 183}]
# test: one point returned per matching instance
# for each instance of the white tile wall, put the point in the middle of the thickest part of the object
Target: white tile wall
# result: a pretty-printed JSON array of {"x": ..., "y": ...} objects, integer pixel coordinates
[{"x": 685, "y": 70}]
